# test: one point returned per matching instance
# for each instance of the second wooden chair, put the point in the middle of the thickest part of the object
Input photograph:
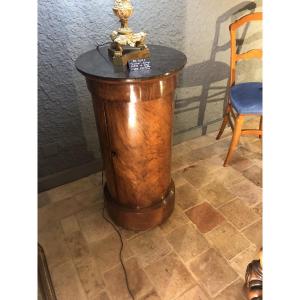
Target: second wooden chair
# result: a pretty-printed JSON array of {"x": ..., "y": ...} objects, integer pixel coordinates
[{"x": 245, "y": 99}]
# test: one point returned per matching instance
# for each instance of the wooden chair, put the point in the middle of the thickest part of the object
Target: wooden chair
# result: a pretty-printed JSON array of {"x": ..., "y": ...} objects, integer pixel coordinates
[{"x": 245, "y": 99}]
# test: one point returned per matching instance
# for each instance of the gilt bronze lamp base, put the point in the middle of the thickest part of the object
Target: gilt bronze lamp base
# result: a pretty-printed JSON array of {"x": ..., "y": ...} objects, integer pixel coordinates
[
  {"x": 127, "y": 54},
  {"x": 126, "y": 45}
]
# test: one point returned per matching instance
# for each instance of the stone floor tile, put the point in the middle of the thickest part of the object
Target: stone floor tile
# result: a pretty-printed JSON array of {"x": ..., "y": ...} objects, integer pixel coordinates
[
  {"x": 69, "y": 225},
  {"x": 85, "y": 264},
  {"x": 151, "y": 296},
  {"x": 169, "y": 276},
  {"x": 227, "y": 240},
  {"x": 53, "y": 242},
  {"x": 254, "y": 174},
  {"x": 227, "y": 176},
  {"x": 70, "y": 189},
  {"x": 205, "y": 217},
  {"x": 101, "y": 296},
  {"x": 93, "y": 226},
  {"x": 96, "y": 179},
  {"x": 250, "y": 151},
  {"x": 128, "y": 234},
  {"x": 202, "y": 141},
  {"x": 218, "y": 148},
  {"x": 187, "y": 196},
  {"x": 253, "y": 144},
  {"x": 106, "y": 251},
  {"x": 177, "y": 219},
  {"x": 197, "y": 175},
  {"x": 258, "y": 209},
  {"x": 240, "y": 163},
  {"x": 193, "y": 157},
  {"x": 77, "y": 245},
  {"x": 213, "y": 163},
  {"x": 178, "y": 179},
  {"x": 247, "y": 191},
  {"x": 90, "y": 277},
  {"x": 187, "y": 241},
  {"x": 240, "y": 262},
  {"x": 254, "y": 234},
  {"x": 202, "y": 174},
  {"x": 258, "y": 162},
  {"x": 179, "y": 163},
  {"x": 91, "y": 196},
  {"x": 195, "y": 293},
  {"x": 212, "y": 271},
  {"x": 149, "y": 246},
  {"x": 222, "y": 146},
  {"x": 138, "y": 282},
  {"x": 180, "y": 150},
  {"x": 43, "y": 199},
  {"x": 234, "y": 292},
  {"x": 216, "y": 193},
  {"x": 246, "y": 153},
  {"x": 54, "y": 212},
  {"x": 66, "y": 282},
  {"x": 238, "y": 213}
]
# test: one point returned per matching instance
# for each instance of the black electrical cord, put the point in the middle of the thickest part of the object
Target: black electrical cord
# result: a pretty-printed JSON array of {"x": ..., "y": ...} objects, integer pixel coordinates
[
  {"x": 107, "y": 220},
  {"x": 121, "y": 248},
  {"x": 101, "y": 45}
]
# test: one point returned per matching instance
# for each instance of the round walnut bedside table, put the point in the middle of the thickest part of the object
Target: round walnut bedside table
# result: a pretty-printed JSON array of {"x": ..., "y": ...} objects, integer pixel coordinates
[{"x": 134, "y": 116}]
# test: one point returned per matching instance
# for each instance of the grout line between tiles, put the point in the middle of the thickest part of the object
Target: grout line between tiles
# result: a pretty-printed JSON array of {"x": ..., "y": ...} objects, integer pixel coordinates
[{"x": 242, "y": 252}]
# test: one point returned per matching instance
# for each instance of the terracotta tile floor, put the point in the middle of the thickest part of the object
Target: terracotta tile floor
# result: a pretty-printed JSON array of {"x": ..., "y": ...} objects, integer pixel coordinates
[{"x": 201, "y": 252}]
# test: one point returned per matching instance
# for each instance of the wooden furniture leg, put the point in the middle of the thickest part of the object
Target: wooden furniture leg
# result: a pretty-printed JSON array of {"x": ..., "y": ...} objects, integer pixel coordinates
[
  {"x": 224, "y": 123},
  {"x": 254, "y": 280},
  {"x": 235, "y": 138},
  {"x": 260, "y": 125},
  {"x": 45, "y": 285}
]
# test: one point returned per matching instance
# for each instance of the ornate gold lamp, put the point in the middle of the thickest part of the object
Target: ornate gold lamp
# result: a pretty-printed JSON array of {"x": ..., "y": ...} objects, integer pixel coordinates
[{"x": 126, "y": 44}]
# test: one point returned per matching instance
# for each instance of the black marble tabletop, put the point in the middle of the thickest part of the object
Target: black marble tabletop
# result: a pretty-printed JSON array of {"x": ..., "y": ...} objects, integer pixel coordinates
[{"x": 164, "y": 61}]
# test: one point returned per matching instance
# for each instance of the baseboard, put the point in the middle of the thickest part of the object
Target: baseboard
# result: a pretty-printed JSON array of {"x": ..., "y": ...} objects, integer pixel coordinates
[{"x": 69, "y": 175}]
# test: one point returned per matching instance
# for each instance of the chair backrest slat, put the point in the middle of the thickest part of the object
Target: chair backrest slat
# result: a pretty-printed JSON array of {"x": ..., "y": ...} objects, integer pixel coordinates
[{"x": 254, "y": 53}]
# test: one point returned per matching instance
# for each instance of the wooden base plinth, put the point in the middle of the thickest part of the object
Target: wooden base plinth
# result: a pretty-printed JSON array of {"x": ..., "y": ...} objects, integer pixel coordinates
[
  {"x": 129, "y": 55},
  {"x": 144, "y": 218}
]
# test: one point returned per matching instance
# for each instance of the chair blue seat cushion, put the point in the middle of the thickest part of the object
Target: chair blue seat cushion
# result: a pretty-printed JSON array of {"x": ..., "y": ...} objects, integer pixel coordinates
[{"x": 246, "y": 98}]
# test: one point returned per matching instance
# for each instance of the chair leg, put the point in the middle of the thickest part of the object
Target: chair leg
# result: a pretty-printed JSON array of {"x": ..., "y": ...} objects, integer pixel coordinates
[
  {"x": 260, "y": 125},
  {"x": 235, "y": 138},
  {"x": 224, "y": 123}
]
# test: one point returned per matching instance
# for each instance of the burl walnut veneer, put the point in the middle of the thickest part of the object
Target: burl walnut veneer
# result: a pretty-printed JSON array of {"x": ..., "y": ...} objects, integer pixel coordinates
[{"x": 134, "y": 116}]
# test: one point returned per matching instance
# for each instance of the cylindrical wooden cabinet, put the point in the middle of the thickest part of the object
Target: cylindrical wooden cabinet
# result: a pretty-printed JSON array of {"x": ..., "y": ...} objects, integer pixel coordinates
[{"x": 134, "y": 115}]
